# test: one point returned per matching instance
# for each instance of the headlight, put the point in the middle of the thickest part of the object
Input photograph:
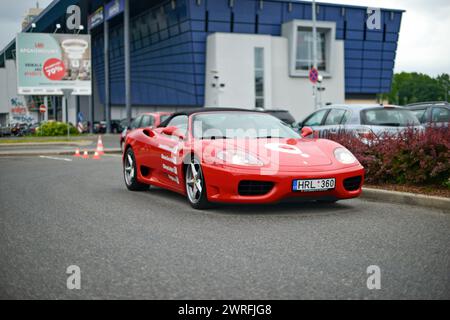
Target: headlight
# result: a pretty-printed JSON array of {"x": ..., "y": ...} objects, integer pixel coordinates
[
  {"x": 344, "y": 156},
  {"x": 238, "y": 157}
]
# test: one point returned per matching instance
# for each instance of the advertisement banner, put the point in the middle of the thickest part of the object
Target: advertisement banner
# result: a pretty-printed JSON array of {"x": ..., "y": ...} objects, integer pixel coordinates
[
  {"x": 49, "y": 63},
  {"x": 114, "y": 8}
]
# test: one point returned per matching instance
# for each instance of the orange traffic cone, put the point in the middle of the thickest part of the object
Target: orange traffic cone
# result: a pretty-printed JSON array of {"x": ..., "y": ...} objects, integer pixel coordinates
[
  {"x": 85, "y": 155},
  {"x": 96, "y": 156},
  {"x": 100, "y": 149},
  {"x": 77, "y": 153}
]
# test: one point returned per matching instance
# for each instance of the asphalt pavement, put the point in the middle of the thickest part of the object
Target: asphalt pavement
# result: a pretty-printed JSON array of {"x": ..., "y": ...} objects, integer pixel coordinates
[{"x": 55, "y": 213}]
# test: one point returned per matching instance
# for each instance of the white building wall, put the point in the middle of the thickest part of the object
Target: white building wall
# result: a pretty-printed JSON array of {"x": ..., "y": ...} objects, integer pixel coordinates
[{"x": 230, "y": 57}]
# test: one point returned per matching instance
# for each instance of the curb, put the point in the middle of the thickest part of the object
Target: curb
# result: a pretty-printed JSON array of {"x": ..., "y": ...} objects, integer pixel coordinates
[
  {"x": 55, "y": 153},
  {"x": 407, "y": 198}
]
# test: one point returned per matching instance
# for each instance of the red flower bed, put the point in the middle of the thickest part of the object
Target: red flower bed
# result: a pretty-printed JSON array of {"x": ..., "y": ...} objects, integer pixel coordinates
[{"x": 416, "y": 158}]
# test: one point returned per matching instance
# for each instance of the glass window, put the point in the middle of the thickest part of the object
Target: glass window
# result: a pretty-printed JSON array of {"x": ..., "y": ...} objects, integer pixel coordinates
[
  {"x": 316, "y": 118},
  {"x": 231, "y": 125},
  {"x": 181, "y": 122},
  {"x": 346, "y": 117},
  {"x": 304, "y": 58},
  {"x": 440, "y": 115},
  {"x": 136, "y": 122},
  {"x": 420, "y": 114},
  {"x": 389, "y": 117},
  {"x": 335, "y": 117},
  {"x": 259, "y": 77},
  {"x": 147, "y": 121}
]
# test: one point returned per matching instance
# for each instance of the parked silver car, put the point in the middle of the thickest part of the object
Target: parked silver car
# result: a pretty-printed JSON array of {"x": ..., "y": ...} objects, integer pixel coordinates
[
  {"x": 431, "y": 113},
  {"x": 364, "y": 120}
]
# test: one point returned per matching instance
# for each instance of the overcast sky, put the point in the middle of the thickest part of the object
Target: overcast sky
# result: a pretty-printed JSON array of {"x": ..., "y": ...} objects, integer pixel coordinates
[{"x": 424, "y": 44}]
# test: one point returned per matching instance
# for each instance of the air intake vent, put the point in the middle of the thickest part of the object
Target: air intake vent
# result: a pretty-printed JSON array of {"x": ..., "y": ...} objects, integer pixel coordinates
[
  {"x": 254, "y": 188},
  {"x": 353, "y": 183}
]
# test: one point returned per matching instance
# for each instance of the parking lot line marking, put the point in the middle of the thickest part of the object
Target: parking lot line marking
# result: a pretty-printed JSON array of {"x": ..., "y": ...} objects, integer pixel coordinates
[{"x": 53, "y": 158}]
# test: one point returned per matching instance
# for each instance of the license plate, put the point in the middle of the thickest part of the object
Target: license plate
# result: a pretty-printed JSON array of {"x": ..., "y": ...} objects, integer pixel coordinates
[{"x": 312, "y": 185}]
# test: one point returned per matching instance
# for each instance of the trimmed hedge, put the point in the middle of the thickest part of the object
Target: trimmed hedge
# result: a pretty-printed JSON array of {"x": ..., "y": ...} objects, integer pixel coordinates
[
  {"x": 51, "y": 129},
  {"x": 415, "y": 158}
]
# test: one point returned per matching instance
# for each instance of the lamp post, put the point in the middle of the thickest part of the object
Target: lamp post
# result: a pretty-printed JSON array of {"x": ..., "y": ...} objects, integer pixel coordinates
[
  {"x": 57, "y": 27},
  {"x": 314, "y": 49}
]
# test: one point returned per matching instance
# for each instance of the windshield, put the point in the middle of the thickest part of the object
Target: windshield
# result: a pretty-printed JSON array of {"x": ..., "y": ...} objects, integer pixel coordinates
[
  {"x": 420, "y": 114},
  {"x": 230, "y": 125},
  {"x": 164, "y": 117},
  {"x": 389, "y": 117}
]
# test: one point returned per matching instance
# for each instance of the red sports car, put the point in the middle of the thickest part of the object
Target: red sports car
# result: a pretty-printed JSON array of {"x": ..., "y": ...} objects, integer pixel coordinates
[
  {"x": 223, "y": 155},
  {"x": 151, "y": 119}
]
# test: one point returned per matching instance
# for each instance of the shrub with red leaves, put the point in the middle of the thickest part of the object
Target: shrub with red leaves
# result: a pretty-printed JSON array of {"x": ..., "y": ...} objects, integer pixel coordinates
[{"x": 411, "y": 157}]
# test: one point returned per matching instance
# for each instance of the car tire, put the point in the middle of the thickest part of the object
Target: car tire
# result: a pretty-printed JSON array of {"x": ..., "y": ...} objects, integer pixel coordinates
[
  {"x": 195, "y": 185},
  {"x": 130, "y": 172}
]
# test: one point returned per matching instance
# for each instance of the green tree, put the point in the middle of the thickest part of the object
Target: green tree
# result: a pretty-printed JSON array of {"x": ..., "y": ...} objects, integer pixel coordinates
[{"x": 410, "y": 87}]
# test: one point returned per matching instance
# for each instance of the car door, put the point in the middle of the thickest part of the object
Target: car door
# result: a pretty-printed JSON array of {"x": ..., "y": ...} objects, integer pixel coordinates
[
  {"x": 440, "y": 116},
  {"x": 333, "y": 123},
  {"x": 169, "y": 148},
  {"x": 315, "y": 121}
]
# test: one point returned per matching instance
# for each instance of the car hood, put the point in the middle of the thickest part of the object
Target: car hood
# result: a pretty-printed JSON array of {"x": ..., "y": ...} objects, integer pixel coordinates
[{"x": 282, "y": 152}]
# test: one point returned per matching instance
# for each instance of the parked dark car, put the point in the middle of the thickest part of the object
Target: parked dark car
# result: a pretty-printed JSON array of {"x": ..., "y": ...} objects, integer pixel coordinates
[
  {"x": 100, "y": 126},
  {"x": 115, "y": 126},
  {"x": 283, "y": 115},
  {"x": 431, "y": 113}
]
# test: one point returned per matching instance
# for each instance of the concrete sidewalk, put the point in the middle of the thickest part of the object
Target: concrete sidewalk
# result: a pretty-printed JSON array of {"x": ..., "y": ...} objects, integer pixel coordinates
[{"x": 85, "y": 142}]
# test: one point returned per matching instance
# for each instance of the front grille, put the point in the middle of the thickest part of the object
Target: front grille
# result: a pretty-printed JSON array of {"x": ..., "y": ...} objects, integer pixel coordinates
[
  {"x": 254, "y": 188},
  {"x": 353, "y": 183}
]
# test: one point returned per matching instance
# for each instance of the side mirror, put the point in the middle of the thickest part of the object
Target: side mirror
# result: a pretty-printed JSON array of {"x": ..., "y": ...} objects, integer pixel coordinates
[
  {"x": 306, "y": 131},
  {"x": 172, "y": 131}
]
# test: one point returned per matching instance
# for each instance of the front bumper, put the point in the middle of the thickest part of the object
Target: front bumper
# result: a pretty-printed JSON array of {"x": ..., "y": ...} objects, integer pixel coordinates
[{"x": 222, "y": 184}]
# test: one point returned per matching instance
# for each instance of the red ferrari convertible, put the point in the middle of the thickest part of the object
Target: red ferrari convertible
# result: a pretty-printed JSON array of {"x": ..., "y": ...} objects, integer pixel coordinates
[{"x": 223, "y": 155}]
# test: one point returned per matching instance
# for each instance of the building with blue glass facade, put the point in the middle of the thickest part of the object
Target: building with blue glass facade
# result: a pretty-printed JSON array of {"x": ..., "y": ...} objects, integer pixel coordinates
[{"x": 193, "y": 53}]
